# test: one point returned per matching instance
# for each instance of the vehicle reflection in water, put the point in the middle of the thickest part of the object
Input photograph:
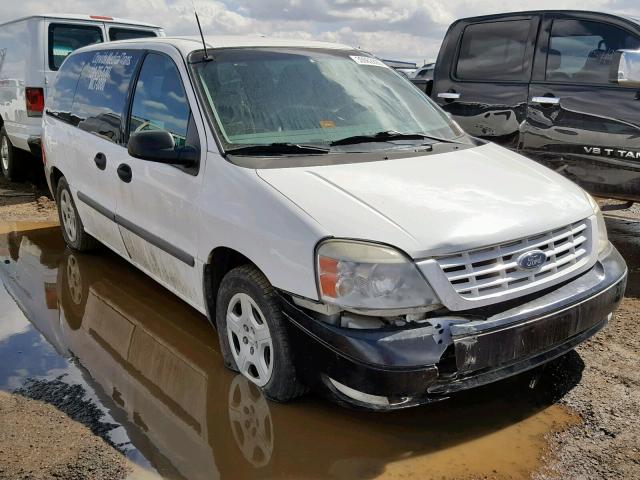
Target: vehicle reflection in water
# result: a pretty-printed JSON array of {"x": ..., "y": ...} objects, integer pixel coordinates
[{"x": 157, "y": 365}]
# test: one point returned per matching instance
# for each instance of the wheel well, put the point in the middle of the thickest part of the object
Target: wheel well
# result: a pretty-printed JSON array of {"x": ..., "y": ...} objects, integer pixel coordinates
[
  {"x": 221, "y": 261},
  {"x": 56, "y": 175},
  {"x": 1, "y": 121}
]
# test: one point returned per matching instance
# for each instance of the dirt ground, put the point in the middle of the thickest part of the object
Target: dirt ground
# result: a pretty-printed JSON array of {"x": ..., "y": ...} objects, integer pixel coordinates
[
  {"x": 51, "y": 445},
  {"x": 607, "y": 398},
  {"x": 606, "y": 445},
  {"x": 25, "y": 202}
]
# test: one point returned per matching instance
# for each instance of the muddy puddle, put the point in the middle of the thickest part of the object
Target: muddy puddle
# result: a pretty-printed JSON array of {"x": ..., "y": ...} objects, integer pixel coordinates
[{"x": 151, "y": 365}]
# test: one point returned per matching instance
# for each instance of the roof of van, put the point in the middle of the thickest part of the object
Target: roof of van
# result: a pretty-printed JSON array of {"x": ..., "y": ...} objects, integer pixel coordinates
[
  {"x": 93, "y": 18},
  {"x": 189, "y": 44}
]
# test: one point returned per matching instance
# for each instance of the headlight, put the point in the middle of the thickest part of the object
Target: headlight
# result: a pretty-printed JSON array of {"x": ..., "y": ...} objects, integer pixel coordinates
[
  {"x": 603, "y": 239},
  {"x": 362, "y": 275}
]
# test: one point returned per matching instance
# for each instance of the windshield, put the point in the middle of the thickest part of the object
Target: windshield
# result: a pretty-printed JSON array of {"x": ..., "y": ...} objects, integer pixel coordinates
[{"x": 262, "y": 96}]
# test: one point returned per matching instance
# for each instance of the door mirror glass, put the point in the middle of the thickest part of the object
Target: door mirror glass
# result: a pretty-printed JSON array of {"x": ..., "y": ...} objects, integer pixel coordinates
[
  {"x": 625, "y": 69},
  {"x": 159, "y": 146}
]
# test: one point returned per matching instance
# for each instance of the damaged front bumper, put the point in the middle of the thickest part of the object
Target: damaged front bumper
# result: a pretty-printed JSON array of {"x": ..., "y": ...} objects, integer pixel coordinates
[{"x": 393, "y": 367}]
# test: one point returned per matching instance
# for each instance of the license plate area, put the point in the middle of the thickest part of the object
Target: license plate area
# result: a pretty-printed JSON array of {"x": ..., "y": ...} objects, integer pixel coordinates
[{"x": 512, "y": 343}]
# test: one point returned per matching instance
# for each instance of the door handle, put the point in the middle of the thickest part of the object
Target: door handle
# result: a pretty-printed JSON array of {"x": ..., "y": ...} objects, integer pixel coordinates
[
  {"x": 449, "y": 95},
  {"x": 546, "y": 100},
  {"x": 124, "y": 172},
  {"x": 100, "y": 160}
]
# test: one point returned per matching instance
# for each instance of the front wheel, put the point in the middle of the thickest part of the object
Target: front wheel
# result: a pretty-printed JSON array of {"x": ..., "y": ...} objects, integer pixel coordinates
[{"x": 253, "y": 336}]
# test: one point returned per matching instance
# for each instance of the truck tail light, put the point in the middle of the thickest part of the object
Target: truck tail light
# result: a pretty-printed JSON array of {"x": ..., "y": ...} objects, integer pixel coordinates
[
  {"x": 100, "y": 17},
  {"x": 35, "y": 101}
]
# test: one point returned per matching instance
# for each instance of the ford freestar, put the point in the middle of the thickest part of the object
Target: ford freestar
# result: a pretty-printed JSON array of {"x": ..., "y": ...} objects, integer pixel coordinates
[{"x": 338, "y": 229}]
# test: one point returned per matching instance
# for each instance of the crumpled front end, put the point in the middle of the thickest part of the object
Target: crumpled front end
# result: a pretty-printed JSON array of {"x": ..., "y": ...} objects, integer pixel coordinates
[{"x": 396, "y": 367}]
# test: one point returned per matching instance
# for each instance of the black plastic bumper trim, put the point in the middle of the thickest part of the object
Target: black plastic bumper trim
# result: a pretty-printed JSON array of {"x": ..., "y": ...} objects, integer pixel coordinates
[{"x": 378, "y": 362}]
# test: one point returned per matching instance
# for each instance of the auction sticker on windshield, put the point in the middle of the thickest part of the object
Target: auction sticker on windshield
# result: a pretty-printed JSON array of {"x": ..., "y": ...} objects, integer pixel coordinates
[{"x": 361, "y": 60}]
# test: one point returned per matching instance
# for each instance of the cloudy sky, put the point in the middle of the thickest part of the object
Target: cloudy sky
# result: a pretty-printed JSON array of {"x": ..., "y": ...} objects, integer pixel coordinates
[{"x": 398, "y": 29}]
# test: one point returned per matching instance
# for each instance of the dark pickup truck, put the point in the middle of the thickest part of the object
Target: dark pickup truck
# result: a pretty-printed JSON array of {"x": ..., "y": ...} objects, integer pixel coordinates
[{"x": 561, "y": 87}]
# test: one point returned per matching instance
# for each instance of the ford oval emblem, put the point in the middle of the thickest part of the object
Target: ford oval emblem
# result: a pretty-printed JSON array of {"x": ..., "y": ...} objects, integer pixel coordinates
[{"x": 532, "y": 260}]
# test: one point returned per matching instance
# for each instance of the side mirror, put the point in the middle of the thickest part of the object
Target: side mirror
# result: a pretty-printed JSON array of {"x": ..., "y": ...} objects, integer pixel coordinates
[
  {"x": 625, "y": 68},
  {"x": 159, "y": 146}
]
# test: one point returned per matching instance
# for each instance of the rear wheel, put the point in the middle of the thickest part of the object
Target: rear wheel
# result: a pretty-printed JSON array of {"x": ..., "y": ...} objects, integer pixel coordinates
[
  {"x": 72, "y": 227},
  {"x": 253, "y": 336},
  {"x": 10, "y": 161},
  {"x": 74, "y": 288}
]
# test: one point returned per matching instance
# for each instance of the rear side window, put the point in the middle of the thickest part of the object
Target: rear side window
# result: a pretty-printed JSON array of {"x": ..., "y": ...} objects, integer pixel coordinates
[
  {"x": 127, "y": 33},
  {"x": 65, "y": 38},
  {"x": 494, "y": 51},
  {"x": 160, "y": 101},
  {"x": 102, "y": 90},
  {"x": 64, "y": 87},
  {"x": 582, "y": 52}
]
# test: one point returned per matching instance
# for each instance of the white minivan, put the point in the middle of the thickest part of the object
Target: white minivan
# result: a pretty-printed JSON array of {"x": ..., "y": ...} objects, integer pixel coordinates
[
  {"x": 336, "y": 227},
  {"x": 31, "y": 52}
]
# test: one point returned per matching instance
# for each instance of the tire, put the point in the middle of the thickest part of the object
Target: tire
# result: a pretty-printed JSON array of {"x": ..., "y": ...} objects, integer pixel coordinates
[
  {"x": 256, "y": 344},
  {"x": 11, "y": 159},
  {"x": 70, "y": 223}
]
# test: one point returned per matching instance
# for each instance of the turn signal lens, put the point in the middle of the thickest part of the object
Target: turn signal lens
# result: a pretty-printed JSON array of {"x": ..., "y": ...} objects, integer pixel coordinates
[{"x": 328, "y": 274}]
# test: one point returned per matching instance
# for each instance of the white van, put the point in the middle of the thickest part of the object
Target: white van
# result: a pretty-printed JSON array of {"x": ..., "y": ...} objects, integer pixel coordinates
[
  {"x": 338, "y": 229},
  {"x": 31, "y": 52}
]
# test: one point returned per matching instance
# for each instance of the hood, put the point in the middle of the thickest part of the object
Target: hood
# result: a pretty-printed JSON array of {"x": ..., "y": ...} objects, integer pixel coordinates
[{"x": 435, "y": 204}]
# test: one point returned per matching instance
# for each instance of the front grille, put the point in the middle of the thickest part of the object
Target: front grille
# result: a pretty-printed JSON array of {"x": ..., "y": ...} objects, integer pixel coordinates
[{"x": 486, "y": 271}]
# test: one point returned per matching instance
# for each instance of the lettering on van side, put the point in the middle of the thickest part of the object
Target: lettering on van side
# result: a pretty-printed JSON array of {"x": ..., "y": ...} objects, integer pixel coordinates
[
  {"x": 612, "y": 152},
  {"x": 101, "y": 65}
]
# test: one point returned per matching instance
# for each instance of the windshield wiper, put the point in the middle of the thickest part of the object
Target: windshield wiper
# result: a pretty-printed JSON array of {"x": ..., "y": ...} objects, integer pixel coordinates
[
  {"x": 277, "y": 149},
  {"x": 387, "y": 136}
]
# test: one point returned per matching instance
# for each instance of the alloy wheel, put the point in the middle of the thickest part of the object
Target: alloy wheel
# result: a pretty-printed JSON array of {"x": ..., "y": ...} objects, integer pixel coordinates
[
  {"x": 69, "y": 221},
  {"x": 251, "y": 423},
  {"x": 74, "y": 279},
  {"x": 4, "y": 154},
  {"x": 250, "y": 339}
]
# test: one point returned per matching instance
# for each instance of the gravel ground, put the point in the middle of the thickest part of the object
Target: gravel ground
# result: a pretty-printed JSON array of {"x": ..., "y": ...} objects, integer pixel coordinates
[
  {"x": 50, "y": 445},
  {"x": 607, "y": 398},
  {"x": 25, "y": 202}
]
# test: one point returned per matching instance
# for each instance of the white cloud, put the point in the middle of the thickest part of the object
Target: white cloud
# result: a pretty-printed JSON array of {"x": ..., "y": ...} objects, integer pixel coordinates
[
  {"x": 12, "y": 320},
  {"x": 400, "y": 29}
]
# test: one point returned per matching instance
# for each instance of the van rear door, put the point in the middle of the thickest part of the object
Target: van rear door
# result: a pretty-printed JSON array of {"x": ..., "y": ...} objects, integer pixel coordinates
[
  {"x": 486, "y": 84},
  {"x": 578, "y": 122},
  {"x": 63, "y": 37}
]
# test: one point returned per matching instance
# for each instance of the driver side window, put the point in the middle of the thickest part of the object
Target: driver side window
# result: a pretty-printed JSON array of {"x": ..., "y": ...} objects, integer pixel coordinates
[{"x": 160, "y": 101}]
